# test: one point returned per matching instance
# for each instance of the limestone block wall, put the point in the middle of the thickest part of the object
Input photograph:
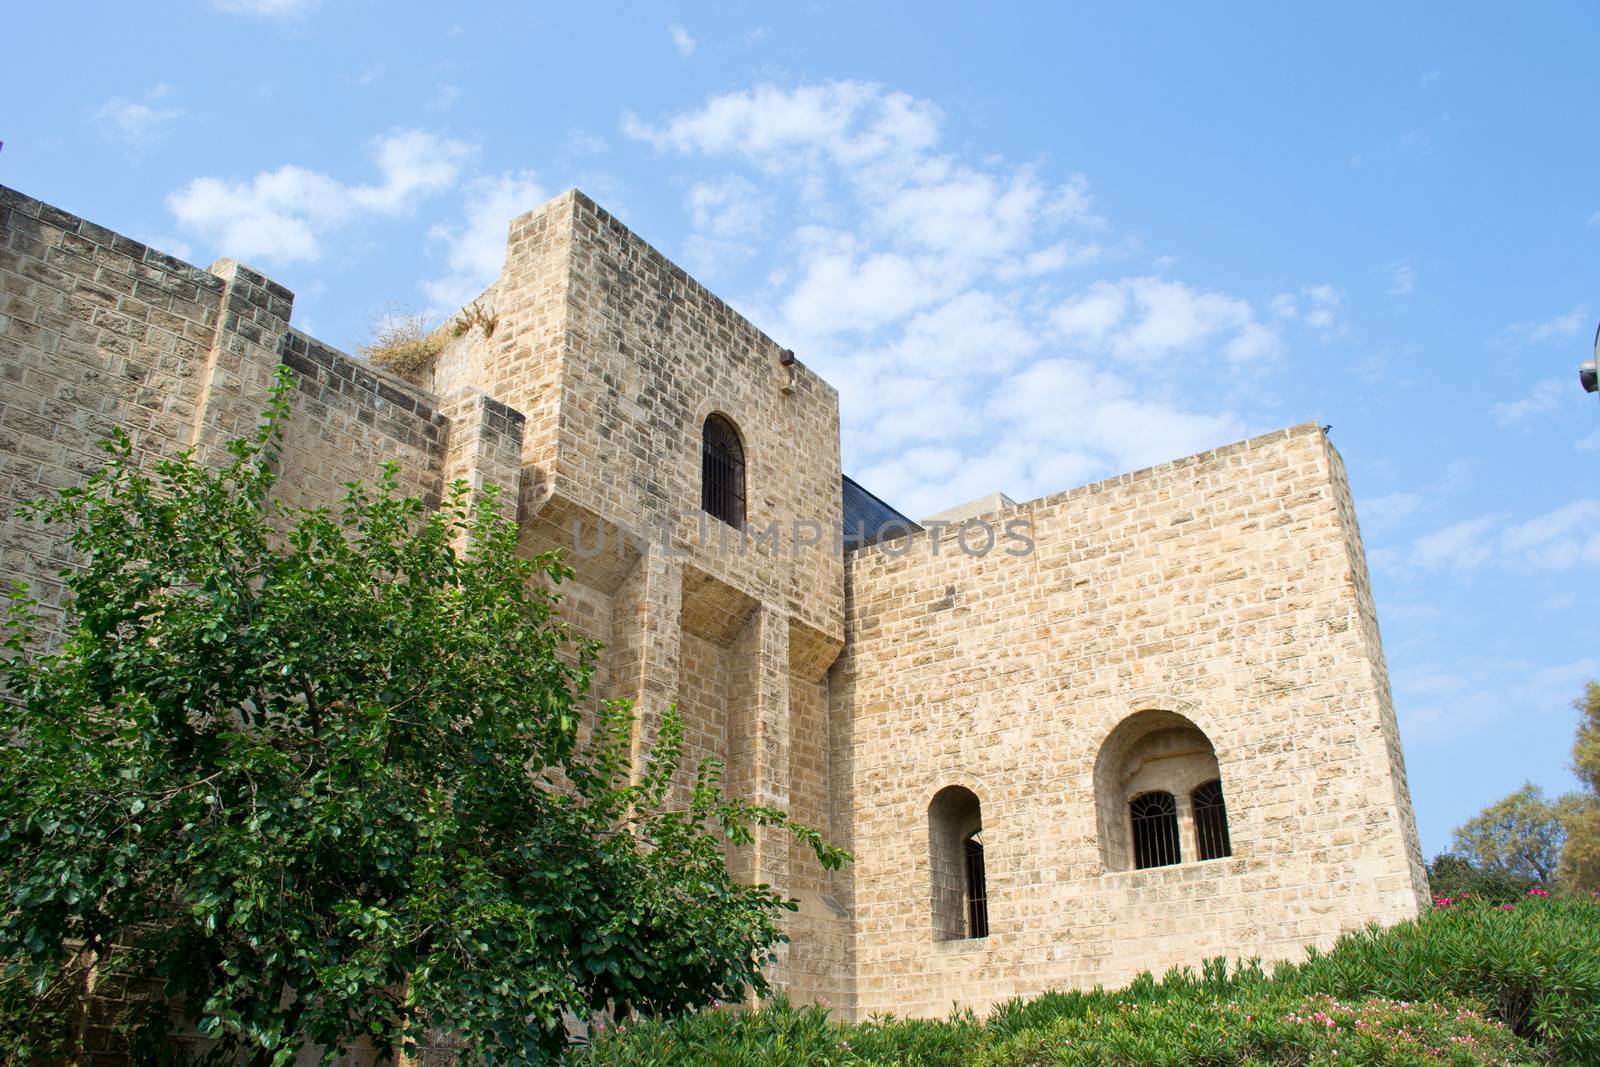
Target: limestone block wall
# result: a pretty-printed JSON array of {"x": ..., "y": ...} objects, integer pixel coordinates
[
  {"x": 616, "y": 356},
  {"x": 98, "y": 331},
  {"x": 1225, "y": 594},
  {"x": 1227, "y": 589}
]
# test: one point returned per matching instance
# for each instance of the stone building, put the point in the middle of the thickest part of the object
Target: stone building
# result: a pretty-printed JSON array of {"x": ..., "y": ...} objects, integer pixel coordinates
[{"x": 1130, "y": 725}]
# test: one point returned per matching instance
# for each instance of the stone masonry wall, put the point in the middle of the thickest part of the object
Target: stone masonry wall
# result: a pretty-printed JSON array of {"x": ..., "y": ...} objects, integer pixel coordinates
[
  {"x": 1227, "y": 588},
  {"x": 1225, "y": 592},
  {"x": 98, "y": 332}
]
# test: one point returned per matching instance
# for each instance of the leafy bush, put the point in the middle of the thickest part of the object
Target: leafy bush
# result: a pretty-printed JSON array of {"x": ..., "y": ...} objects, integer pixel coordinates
[
  {"x": 309, "y": 776},
  {"x": 1475, "y": 983},
  {"x": 1276, "y": 1030},
  {"x": 1535, "y": 966},
  {"x": 781, "y": 1035},
  {"x": 1454, "y": 878}
]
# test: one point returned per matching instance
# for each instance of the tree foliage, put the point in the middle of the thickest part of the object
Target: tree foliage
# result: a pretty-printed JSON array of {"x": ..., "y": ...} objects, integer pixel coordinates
[
  {"x": 1586, "y": 747},
  {"x": 1455, "y": 878},
  {"x": 1521, "y": 835},
  {"x": 1524, "y": 838},
  {"x": 1580, "y": 859},
  {"x": 317, "y": 775}
]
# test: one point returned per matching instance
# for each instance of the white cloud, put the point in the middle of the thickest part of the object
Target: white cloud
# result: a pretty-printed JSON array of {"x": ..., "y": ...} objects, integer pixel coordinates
[
  {"x": 944, "y": 293},
  {"x": 584, "y": 143},
  {"x": 727, "y": 214},
  {"x": 1143, "y": 319},
  {"x": 1461, "y": 546},
  {"x": 1439, "y": 700},
  {"x": 972, "y": 333},
  {"x": 1315, "y": 305},
  {"x": 1402, "y": 280},
  {"x": 846, "y": 122},
  {"x": 731, "y": 207},
  {"x": 280, "y": 215},
  {"x": 1590, "y": 443},
  {"x": 475, "y": 249},
  {"x": 1543, "y": 398},
  {"x": 1389, "y": 508},
  {"x": 445, "y": 98},
  {"x": 138, "y": 123},
  {"x": 1071, "y": 405},
  {"x": 1559, "y": 328},
  {"x": 1556, "y": 540},
  {"x": 269, "y": 8},
  {"x": 681, "y": 40}
]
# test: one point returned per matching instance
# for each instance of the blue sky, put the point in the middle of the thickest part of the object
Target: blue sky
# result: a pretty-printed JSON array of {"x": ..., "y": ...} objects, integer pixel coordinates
[{"x": 1032, "y": 246}]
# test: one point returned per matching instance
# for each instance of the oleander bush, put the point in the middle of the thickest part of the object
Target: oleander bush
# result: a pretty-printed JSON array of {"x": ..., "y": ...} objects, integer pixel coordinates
[
  {"x": 1471, "y": 983},
  {"x": 1276, "y": 1030}
]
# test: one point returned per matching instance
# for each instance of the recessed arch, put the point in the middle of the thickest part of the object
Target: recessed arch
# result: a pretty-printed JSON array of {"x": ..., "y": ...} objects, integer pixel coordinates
[
  {"x": 957, "y": 870},
  {"x": 1150, "y": 754}
]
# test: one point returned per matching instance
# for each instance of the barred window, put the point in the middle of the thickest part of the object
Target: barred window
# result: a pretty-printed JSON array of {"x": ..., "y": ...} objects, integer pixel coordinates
[
  {"x": 1155, "y": 830},
  {"x": 722, "y": 471},
  {"x": 1211, "y": 821},
  {"x": 977, "y": 887}
]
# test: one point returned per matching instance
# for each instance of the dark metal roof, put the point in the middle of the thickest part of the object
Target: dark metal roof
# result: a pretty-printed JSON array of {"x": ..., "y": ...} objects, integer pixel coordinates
[{"x": 867, "y": 519}]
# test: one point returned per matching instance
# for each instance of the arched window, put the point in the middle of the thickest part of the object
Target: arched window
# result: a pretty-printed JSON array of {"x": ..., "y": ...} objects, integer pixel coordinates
[
  {"x": 1211, "y": 821},
  {"x": 956, "y": 866},
  {"x": 722, "y": 471},
  {"x": 1155, "y": 830},
  {"x": 1158, "y": 794}
]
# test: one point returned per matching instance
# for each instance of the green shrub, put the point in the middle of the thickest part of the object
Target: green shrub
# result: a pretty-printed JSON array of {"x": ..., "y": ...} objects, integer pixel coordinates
[
  {"x": 1268, "y": 1030},
  {"x": 778, "y": 1034},
  {"x": 1455, "y": 878},
  {"x": 1535, "y": 966},
  {"x": 1478, "y": 982},
  {"x": 886, "y": 1041}
]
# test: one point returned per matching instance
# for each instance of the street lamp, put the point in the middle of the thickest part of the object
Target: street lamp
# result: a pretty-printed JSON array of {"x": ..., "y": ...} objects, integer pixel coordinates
[{"x": 1586, "y": 370}]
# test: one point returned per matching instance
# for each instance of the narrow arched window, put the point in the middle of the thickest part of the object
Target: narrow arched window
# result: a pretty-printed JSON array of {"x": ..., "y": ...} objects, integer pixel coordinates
[
  {"x": 1155, "y": 830},
  {"x": 1211, "y": 821},
  {"x": 977, "y": 886},
  {"x": 722, "y": 471},
  {"x": 956, "y": 865}
]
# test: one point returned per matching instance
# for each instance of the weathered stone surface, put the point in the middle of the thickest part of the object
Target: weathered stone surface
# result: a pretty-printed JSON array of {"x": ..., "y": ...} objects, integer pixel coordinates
[{"x": 1228, "y": 589}]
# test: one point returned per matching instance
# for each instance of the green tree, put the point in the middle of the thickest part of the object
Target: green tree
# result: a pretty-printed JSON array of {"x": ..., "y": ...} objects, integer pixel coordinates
[
  {"x": 1456, "y": 877},
  {"x": 1520, "y": 835},
  {"x": 318, "y": 774},
  {"x": 1580, "y": 859}
]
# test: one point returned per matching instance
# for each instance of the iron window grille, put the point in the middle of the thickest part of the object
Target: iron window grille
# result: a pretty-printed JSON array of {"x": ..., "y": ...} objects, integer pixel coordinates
[
  {"x": 722, "y": 471},
  {"x": 977, "y": 888},
  {"x": 1155, "y": 830},
  {"x": 1211, "y": 822}
]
